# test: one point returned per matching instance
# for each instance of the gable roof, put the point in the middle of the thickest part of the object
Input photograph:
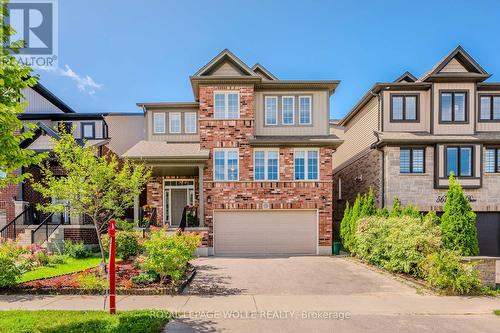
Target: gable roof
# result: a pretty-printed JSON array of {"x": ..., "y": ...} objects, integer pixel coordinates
[
  {"x": 406, "y": 77},
  {"x": 220, "y": 59},
  {"x": 45, "y": 93},
  {"x": 259, "y": 69},
  {"x": 473, "y": 69},
  {"x": 41, "y": 129}
]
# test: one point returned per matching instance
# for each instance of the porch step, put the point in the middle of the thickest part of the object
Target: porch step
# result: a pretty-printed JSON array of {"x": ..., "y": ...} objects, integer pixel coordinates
[
  {"x": 24, "y": 237},
  {"x": 55, "y": 243}
]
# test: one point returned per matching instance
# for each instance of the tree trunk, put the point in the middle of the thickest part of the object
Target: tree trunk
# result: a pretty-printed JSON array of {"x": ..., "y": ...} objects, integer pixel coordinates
[{"x": 101, "y": 248}]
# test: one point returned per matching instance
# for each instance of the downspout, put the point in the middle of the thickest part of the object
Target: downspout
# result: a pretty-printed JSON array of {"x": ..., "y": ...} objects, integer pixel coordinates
[{"x": 380, "y": 126}]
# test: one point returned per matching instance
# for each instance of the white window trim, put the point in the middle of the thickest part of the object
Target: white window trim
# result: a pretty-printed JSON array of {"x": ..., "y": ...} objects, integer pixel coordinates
[
  {"x": 310, "y": 110},
  {"x": 186, "y": 122},
  {"x": 226, "y": 104},
  {"x": 306, "y": 164},
  {"x": 170, "y": 122},
  {"x": 162, "y": 114},
  {"x": 283, "y": 111},
  {"x": 266, "y": 153},
  {"x": 275, "y": 110},
  {"x": 92, "y": 129},
  {"x": 226, "y": 171}
]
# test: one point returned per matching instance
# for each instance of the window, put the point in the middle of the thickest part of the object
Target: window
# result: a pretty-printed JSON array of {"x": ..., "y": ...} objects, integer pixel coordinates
[
  {"x": 266, "y": 165},
  {"x": 159, "y": 123},
  {"x": 226, "y": 105},
  {"x": 404, "y": 108},
  {"x": 190, "y": 122},
  {"x": 411, "y": 160},
  {"x": 453, "y": 107},
  {"x": 492, "y": 160},
  {"x": 305, "y": 110},
  {"x": 271, "y": 110},
  {"x": 489, "y": 107},
  {"x": 459, "y": 161},
  {"x": 306, "y": 164},
  {"x": 226, "y": 164},
  {"x": 88, "y": 130},
  {"x": 174, "y": 121},
  {"x": 288, "y": 109}
]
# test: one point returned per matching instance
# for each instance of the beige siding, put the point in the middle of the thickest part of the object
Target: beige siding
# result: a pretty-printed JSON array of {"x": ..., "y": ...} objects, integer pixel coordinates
[
  {"x": 454, "y": 67},
  {"x": 182, "y": 137},
  {"x": 44, "y": 142},
  {"x": 358, "y": 134},
  {"x": 226, "y": 69},
  {"x": 339, "y": 132},
  {"x": 124, "y": 132},
  {"x": 424, "y": 113},
  {"x": 455, "y": 128},
  {"x": 38, "y": 104},
  {"x": 486, "y": 126},
  {"x": 320, "y": 114}
]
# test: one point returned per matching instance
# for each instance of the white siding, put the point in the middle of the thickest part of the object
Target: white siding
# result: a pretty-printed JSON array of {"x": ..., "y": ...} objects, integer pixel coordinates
[{"x": 38, "y": 104}]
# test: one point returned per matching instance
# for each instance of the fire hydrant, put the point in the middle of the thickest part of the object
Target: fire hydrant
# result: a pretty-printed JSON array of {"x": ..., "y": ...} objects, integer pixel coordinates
[{"x": 112, "y": 268}]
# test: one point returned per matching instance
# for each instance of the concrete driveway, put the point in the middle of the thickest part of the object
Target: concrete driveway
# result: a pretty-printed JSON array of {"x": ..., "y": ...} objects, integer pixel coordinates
[{"x": 289, "y": 276}]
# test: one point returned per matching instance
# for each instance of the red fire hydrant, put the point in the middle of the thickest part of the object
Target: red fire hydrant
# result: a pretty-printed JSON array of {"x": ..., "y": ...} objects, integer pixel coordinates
[{"x": 112, "y": 268}]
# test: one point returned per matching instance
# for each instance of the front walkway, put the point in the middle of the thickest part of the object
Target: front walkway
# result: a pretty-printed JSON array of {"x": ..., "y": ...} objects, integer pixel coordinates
[{"x": 283, "y": 300}]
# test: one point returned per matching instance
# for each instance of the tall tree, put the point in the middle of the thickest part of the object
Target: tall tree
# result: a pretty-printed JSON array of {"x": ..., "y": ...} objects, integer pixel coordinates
[
  {"x": 101, "y": 187},
  {"x": 14, "y": 78}
]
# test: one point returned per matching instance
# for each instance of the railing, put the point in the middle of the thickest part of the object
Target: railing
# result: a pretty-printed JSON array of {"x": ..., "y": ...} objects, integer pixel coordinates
[
  {"x": 27, "y": 217},
  {"x": 146, "y": 222},
  {"x": 41, "y": 234}
]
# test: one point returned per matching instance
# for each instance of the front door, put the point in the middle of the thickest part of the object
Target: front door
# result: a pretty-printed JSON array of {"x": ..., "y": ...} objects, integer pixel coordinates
[
  {"x": 177, "y": 195},
  {"x": 179, "y": 201}
]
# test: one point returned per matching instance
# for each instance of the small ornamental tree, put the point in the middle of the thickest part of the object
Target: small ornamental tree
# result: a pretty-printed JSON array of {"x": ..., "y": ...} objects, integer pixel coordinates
[
  {"x": 369, "y": 206},
  {"x": 396, "y": 208},
  {"x": 345, "y": 227},
  {"x": 14, "y": 78},
  {"x": 458, "y": 223},
  {"x": 99, "y": 187}
]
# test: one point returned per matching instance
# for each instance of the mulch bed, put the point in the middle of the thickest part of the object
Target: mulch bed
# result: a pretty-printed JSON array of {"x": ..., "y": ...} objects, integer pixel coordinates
[{"x": 67, "y": 284}]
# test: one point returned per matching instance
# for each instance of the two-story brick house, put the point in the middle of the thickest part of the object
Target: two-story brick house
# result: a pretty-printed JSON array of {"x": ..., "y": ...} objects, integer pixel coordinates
[
  {"x": 253, "y": 152},
  {"x": 404, "y": 139}
]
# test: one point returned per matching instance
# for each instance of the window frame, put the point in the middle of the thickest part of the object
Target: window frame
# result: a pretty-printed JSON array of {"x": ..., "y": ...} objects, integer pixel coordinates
[
  {"x": 492, "y": 118},
  {"x": 283, "y": 111},
  {"x": 276, "y": 111},
  {"x": 195, "y": 121},
  {"x": 170, "y": 117},
  {"x": 496, "y": 149},
  {"x": 163, "y": 115},
  {"x": 82, "y": 129},
  {"x": 226, "y": 173},
  {"x": 417, "y": 108},
  {"x": 226, "y": 94},
  {"x": 466, "y": 107},
  {"x": 266, "y": 164},
  {"x": 459, "y": 160},
  {"x": 310, "y": 109},
  {"x": 306, "y": 164},
  {"x": 411, "y": 149}
]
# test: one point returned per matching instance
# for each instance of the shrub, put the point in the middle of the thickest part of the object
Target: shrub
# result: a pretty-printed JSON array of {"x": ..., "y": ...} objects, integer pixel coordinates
[
  {"x": 145, "y": 278},
  {"x": 56, "y": 260},
  {"x": 168, "y": 255},
  {"x": 445, "y": 271},
  {"x": 41, "y": 258},
  {"x": 396, "y": 208},
  {"x": 76, "y": 250},
  {"x": 458, "y": 223},
  {"x": 345, "y": 227},
  {"x": 127, "y": 244},
  {"x": 124, "y": 225},
  {"x": 10, "y": 267},
  {"x": 91, "y": 281}
]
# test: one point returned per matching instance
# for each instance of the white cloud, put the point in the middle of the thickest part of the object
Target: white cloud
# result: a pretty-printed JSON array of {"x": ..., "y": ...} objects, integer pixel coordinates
[{"x": 83, "y": 83}]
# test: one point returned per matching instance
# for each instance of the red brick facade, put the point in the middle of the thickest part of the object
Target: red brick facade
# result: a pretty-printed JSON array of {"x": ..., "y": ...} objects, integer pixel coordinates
[
  {"x": 7, "y": 197},
  {"x": 86, "y": 235}
]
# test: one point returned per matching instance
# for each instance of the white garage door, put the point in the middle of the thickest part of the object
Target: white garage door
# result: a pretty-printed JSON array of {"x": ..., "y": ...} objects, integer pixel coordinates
[{"x": 265, "y": 232}]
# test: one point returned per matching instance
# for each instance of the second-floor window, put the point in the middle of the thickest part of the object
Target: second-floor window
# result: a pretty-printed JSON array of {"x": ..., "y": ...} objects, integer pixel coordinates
[
  {"x": 159, "y": 123},
  {"x": 88, "y": 130},
  {"x": 266, "y": 164},
  {"x": 226, "y": 164},
  {"x": 404, "y": 108},
  {"x": 174, "y": 120},
  {"x": 288, "y": 110},
  {"x": 190, "y": 122},
  {"x": 411, "y": 160},
  {"x": 306, "y": 164},
  {"x": 459, "y": 161},
  {"x": 489, "y": 108},
  {"x": 271, "y": 110},
  {"x": 453, "y": 107},
  {"x": 305, "y": 110},
  {"x": 492, "y": 160},
  {"x": 226, "y": 105}
]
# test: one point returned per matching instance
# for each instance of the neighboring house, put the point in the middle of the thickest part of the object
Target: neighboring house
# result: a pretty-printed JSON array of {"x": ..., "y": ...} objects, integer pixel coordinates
[
  {"x": 252, "y": 152},
  {"x": 17, "y": 202},
  {"x": 404, "y": 138}
]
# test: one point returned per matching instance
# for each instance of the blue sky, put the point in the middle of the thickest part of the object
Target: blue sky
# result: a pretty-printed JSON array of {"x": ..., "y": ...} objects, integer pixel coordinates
[{"x": 115, "y": 53}]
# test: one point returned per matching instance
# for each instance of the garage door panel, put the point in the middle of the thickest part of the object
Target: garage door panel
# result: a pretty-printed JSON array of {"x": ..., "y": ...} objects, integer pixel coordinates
[{"x": 265, "y": 232}]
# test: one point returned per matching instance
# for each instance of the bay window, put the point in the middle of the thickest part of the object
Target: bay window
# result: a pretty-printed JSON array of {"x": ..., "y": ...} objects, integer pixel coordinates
[{"x": 459, "y": 161}]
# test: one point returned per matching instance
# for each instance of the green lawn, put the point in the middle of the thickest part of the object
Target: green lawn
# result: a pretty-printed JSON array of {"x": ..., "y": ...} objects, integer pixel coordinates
[
  {"x": 82, "y": 321},
  {"x": 70, "y": 266}
]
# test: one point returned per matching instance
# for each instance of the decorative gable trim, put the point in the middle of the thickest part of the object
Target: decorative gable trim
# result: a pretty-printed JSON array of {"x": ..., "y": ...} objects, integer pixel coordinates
[
  {"x": 263, "y": 72},
  {"x": 219, "y": 60},
  {"x": 406, "y": 77}
]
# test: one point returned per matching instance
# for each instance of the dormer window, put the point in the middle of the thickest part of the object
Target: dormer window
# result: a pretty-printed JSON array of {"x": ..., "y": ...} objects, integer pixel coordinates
[
  {"x": 226, "y": 105},
  {"x": 453, "y": 107},
  {"x": 88, "y": 130},
  {"x": 404, "y": 108}
]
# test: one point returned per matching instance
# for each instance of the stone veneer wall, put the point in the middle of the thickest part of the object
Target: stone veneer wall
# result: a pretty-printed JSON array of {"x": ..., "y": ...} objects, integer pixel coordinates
[
  {"x": 246, "y": 193},
  {"x": 419, "y": 188},
  {"x": 487, "y": 267}
]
